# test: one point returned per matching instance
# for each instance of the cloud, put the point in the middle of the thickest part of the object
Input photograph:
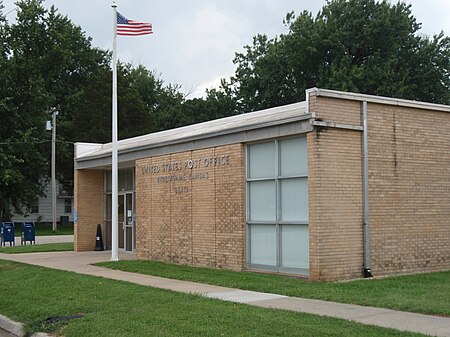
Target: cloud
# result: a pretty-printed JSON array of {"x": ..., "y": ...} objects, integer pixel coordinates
[
  {"x": 433, "y": 14},
  {"x": 215, "y": 83},
  {"x": 198, "y": 43}
]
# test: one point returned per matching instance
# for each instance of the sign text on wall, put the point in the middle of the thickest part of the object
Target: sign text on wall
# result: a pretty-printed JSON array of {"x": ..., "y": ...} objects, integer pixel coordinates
[{"x": 181, "y": 171}]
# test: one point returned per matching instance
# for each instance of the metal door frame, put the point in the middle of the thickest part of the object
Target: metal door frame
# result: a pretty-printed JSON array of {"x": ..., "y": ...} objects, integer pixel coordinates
[
  {"x": 129, "y": 221},
  {"x": 122, "y": 221}
]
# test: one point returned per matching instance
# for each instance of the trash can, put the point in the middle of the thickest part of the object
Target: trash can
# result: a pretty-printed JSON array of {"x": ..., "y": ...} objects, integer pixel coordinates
[
  {"x": 7, "y": 232},
  {"x": 28, "y": 233}
]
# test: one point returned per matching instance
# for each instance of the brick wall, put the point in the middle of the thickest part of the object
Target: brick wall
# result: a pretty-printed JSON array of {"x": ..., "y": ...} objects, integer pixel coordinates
[
  {"x": 338, "y": 110},
  {"x": 335, "y": 195},
  {"x": 409, "y": 186},
  {"x": 408, "y": 190},
  {"x": 190, "y": 207},
  {"x": 89, "y": 203}
]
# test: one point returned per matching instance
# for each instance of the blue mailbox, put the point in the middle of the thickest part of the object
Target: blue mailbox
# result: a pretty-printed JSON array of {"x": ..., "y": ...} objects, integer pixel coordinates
[
  {"x": 7, "y": 233},
  {"x": 28, "y": 233}
]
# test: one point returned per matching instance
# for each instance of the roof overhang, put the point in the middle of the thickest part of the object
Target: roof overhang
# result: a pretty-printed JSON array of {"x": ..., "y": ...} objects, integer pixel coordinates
[
  {"x": 377, "y": 99},
  {"x": 250, "y": 127}
]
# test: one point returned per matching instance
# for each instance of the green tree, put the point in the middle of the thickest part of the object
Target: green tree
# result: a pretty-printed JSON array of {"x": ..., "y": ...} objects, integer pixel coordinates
[
  {"x": 217, "y": 104},
  {"x": 46, "y": 62},
  {"x": 92, "y": 116},
  {"x": 168, "y": 108},
  {"x": 22, "y": 154},
  {"x": 157, "y": 97},
  {"x": 69, "y": 64},
  {"x": 363, "y": 46},
  {"x": 7, "y": 160}
]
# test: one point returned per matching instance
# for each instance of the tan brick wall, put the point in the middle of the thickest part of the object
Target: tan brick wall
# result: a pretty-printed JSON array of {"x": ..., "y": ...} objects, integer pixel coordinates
[
  {"x": 204, "y": 216},
  {"x": 337, "y": 110},
  {"x": 89, "y": 203},
  {"x": 194, "y": 212},
  {"x": 409, "y": 185},
  {"x": 335, "y": 204},
  {"x": 408, "y": 190},
  {"x": 230, "y": 208}
]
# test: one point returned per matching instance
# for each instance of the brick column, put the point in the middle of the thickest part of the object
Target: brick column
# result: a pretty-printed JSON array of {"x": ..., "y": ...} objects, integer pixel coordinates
[
  {"x": 89, "y": 203},
  {"x": 335, "y": 193}
]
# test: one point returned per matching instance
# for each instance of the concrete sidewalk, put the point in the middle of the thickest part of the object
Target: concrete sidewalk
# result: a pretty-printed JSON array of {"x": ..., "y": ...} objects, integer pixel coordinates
[
  {"x": 45, "y": 239},
  {"x": 80, "y": 263}
]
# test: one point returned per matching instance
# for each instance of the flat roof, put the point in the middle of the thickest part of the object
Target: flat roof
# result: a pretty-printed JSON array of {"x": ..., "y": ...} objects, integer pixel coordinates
[
  {"x": 377, "y": 99},
  {"x": 100, "y": 154}
]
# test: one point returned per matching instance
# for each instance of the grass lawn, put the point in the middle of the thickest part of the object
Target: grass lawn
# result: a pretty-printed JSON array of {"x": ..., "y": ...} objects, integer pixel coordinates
[
  {"x": 423, "y": 293},
  {"x": 48, "y": 247},
  {"x": 45, "y": 228},
  {"x": 115, "y": 308}
]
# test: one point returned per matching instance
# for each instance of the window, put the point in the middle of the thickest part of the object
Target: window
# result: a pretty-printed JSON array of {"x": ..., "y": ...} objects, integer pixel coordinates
[
  {"x": 125, "y": 180},
  {"x": 68, "y": 205},
  {"x": 277, "y": 206},
  {"x": 35, "y": 207},
  {"x": 65, "y": 188}
]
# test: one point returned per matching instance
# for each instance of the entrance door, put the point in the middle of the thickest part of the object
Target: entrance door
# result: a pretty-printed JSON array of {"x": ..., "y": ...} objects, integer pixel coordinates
[
  {"x": 126, "y": 223},
  {"x": 129, "y": 227},
  {"x": 121, "y": 220}
]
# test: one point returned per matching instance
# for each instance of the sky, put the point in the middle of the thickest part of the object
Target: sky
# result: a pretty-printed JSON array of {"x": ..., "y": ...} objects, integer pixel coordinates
[{"x": 194, "y": 41}]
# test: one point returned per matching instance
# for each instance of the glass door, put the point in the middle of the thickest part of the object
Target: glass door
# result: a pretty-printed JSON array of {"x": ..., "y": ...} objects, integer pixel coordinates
[
  {"x": 126, "y": 210},
  {"x": 129, "y": 228},
  {"x": 121, "y": 220},
  {"x": 126, "y": 222}
]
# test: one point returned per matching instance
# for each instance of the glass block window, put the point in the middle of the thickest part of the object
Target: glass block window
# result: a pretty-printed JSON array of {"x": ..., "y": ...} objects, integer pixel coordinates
[{"x": 277, "y": 206}]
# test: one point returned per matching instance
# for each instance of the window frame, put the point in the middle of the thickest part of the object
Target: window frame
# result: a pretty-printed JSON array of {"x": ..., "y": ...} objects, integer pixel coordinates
[
  {"x": 278, "y": 223},
  {"x": 34, "y": 207},
  {"x": 68, "y": 206}
]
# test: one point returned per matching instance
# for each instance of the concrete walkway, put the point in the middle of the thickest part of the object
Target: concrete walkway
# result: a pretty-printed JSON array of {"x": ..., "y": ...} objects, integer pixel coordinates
[
  {"x": 45, "y": 239},
  {"x": 80, "y": 263}
]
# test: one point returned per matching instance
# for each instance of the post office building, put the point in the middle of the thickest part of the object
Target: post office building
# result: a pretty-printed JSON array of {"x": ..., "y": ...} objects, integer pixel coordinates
[{"x": 340, "y": 186}]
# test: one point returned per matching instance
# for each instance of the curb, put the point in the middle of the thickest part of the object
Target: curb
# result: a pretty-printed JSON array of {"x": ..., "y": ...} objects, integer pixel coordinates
[{"x": 16, "y": 328}]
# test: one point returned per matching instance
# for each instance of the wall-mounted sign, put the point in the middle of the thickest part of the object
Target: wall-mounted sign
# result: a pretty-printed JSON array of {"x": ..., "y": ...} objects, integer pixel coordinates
[
  {"x": 182, "y": 172},
  {"x": 190, "y": 164}
]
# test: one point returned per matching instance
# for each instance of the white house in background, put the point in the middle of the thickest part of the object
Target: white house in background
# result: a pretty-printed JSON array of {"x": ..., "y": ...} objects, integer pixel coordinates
[{"x": 42, "y": 209}]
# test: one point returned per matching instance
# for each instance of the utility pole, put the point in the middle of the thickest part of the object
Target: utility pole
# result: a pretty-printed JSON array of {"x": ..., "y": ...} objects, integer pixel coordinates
[{"x": 54, "y": 114}]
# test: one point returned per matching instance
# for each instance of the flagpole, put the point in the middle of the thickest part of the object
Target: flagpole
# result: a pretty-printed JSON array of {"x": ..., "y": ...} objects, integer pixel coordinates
[{"x": 114, "y": 160}]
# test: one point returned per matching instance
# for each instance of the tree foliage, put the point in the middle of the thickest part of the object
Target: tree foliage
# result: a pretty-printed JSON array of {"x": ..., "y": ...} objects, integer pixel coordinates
[
  {"x": 216, "y": 104},
  {"x": 362, "y": 46},
  {"x": 47, "y": 61},
  {"x": 22, "y": 155}
]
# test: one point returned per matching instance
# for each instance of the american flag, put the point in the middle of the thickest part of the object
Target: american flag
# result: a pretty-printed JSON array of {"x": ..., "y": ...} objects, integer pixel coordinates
[{"x": 127, "y": 27}]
